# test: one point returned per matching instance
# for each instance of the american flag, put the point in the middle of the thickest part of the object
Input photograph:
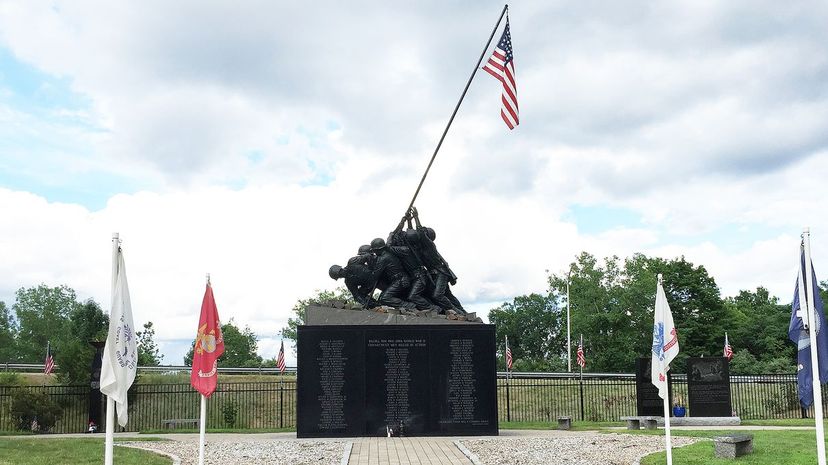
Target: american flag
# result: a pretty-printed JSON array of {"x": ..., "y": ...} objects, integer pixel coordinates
[
  {"x": 49, "y": 363},
  {"x": 728, "y": 351},
  {"x": 581, "y": 358},
  {"x": 280, "y": 359},
  {"x": 501, "y": 65},
  {"x": 508, "y": 355}
]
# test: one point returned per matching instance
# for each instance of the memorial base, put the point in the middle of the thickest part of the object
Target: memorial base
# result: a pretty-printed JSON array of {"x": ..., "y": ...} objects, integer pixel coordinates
[{"x": 401, "y": 380}]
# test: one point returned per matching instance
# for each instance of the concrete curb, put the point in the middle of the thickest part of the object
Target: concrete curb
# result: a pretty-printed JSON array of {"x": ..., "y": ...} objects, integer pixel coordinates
[
  {"x": 176, "y": 460},
  {"x": 469, "y": 454},
  {"x": 346, "y": 453}
]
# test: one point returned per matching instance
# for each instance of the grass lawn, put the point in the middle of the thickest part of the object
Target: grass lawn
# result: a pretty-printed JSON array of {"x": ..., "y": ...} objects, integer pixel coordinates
[
  {"x": 70, "y": 452},
  {"x": 576, "y": 425},
  {"x": 769, "y": 448}
]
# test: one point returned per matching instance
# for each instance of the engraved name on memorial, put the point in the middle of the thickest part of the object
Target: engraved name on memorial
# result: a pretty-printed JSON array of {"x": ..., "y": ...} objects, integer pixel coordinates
[{"x": 332, "y": 380}]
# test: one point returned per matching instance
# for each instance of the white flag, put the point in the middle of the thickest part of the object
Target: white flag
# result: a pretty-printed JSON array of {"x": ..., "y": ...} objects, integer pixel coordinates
[
  {"x": 120, "y": 355},
  {"x": 665, "y": 342}
]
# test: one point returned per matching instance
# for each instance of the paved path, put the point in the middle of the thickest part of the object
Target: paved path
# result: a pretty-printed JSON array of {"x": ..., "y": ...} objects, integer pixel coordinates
[{"x": 406, "y": 451}]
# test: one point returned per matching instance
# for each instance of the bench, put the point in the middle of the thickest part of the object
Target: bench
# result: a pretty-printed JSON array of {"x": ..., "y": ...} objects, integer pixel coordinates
[
  {"x": 650, "y": 423},
  {"x": 174, "y": 423},
  {"x": 733, "y": 445},
  {"x": 565, "y": 423},
  {"x": 632, "y": 422}
]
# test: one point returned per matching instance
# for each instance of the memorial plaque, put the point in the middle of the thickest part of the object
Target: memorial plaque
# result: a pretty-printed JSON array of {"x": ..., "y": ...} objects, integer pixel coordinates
[
  {"x": 396, "y": 376},
  {"x": 708, "y": 387},
  {"x": 331, "y": 371},
  {"x": 419, "y": 380},
  {"x": 647, "y": 400},
  {"x": 464, "y": 400}
]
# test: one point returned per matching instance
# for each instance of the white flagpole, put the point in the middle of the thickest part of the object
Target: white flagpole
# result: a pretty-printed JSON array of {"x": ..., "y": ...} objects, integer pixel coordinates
[
  {"x": 110, "y": 404},
  {"x": 568, "y": 332},
  {"x": 202, "y": 430},
  {"x": 667, "y": 439},
  {"x": 809, "y": 292}
]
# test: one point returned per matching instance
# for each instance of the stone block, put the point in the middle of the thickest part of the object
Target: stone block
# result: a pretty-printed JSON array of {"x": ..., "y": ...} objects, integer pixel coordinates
[
  {"x": 565, "y": 423},
  {"x": 650, "y": 423},
  {"x": 734, "y": 445}
]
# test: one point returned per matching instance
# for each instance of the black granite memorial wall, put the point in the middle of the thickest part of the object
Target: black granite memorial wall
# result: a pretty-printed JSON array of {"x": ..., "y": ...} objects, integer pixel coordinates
[
  {"x": 647, "y": 400},
  {"x": 422, "y": 380},
  {"x": 708, "y": 387}
]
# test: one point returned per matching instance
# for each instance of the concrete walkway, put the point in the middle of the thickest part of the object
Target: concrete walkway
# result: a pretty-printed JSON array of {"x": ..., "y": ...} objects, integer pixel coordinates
[{"x": 406, "y": 451}]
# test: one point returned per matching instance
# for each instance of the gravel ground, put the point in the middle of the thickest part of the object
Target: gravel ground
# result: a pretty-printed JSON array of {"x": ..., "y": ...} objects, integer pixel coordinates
[
  {"x": 252, "y": 453},
  {"x": 594, "y": 449}
]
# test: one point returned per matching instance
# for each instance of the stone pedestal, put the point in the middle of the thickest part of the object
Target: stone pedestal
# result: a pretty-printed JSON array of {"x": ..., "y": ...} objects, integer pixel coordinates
[{"x": 732, "y": 446}]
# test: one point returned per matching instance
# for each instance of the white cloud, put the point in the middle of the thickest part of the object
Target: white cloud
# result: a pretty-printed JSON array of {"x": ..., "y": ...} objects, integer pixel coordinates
[{"x": 263, "y": 142}]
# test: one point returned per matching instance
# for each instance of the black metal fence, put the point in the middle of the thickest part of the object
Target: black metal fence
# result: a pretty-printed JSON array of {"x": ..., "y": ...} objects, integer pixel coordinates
[
  {"x": 538, "y": 397},
  {"x": 607, "y": 397}
]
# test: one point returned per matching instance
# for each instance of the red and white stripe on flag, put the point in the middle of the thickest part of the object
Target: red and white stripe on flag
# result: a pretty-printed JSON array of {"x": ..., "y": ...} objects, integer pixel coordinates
[
  {"x": 501, "y": 65},
  {"x": 49, "y": 363},
  {"x": 508, "y": 358},
  {"x": 280, "y": 359},
  {"x": 581, "y": 358},
  {"x": 728, "y": 351}
]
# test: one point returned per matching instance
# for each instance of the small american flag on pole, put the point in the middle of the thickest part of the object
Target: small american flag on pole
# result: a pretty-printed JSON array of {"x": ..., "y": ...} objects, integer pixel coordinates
[
  {"x": 581, "y": 358},
  {"x": 728, "y": 351},
  {"x": 501, "y": 65},
  {"x": 508, "y": 355},
  {"x": 49, "y": 363},
  {"x": 280, "y": 359}
]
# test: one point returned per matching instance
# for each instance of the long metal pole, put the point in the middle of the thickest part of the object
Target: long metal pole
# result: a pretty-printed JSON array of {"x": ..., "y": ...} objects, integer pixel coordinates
[
  {"x": 568, "y": 329},
  {"x": 202, "y": 430},
  {"x": 457, "y": 107},
  {"x": 110, "y": 404},
  {"x": 809, "y": 292}
]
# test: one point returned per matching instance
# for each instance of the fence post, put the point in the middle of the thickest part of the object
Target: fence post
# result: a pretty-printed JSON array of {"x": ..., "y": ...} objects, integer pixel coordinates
[{"x": 281, "y": 404}]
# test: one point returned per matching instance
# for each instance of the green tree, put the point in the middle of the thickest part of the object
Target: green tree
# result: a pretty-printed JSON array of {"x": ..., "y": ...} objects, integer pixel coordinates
[
  {"x": 73, "y": 353},
  {"x": 340, "y": 294},
  {"x": 533, "y": 324},
  {"x": 8, "y": 335},
  {"x": 239, "y": 347},
  {"x": 613, "y": 307},
  {"x": 148, "y": 353},
  {"x": 43, "y": 315},
  {"x": 758, "y": 324}
]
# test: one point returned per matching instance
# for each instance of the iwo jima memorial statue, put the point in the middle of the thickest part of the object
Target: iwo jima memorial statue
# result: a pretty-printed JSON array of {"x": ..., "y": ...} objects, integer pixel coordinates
[{"x": 409, "y": 361}]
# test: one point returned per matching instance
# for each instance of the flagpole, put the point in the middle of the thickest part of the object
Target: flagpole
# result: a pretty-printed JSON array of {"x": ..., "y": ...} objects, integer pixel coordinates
[
  {"x": 667, "y": 440},
  {"x": 809, "y": 293},
  {"x": 666, "y": 401},
  {"x": 457, "y": 107},
  {"x": 202, "y": 423},
  {"x": 110, "y": 404},
  {"x": 568, "y": 340}
]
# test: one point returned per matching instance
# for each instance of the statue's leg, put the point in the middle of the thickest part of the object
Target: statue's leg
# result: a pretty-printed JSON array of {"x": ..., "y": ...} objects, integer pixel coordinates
[
  {"x": 418, "y": 286},
  {"x": 439, "y": 295}
]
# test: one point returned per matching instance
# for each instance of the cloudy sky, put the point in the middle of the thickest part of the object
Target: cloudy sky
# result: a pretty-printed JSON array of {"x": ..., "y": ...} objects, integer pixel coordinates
[{"x": 264, "y": 141}]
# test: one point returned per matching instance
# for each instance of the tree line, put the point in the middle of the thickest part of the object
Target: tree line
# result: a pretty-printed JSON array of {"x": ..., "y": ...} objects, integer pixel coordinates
[
  {"x": 612, "y": 305},
  {"x": 44, "y": 315}
]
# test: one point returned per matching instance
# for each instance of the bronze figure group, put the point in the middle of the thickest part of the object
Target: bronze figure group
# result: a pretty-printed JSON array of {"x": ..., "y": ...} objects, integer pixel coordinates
[{"x": 407, "y": 269}]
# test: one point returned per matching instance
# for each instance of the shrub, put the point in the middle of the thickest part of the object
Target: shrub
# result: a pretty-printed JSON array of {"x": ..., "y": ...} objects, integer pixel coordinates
[
  {"x": 230, "y": 411},
  {"x": 10, "y": 379},
  {"x": 33, "y": 410}
]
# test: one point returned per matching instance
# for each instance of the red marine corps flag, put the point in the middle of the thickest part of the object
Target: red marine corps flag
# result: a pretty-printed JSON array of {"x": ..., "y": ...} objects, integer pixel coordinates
[{"x": 209, "y": 346}]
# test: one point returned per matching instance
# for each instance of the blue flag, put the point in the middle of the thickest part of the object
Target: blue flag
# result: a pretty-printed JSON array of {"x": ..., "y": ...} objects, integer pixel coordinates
[{"x": 799, "y": 335}]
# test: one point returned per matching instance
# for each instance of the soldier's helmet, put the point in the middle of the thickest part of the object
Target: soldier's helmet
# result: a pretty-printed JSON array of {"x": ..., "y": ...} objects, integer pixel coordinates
[
  {"x": 430, "y": 233},
  {"x": 378, "y": 244},
  {"x": 364, "y": 249},
  {"x": 335, "y": 272}
]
